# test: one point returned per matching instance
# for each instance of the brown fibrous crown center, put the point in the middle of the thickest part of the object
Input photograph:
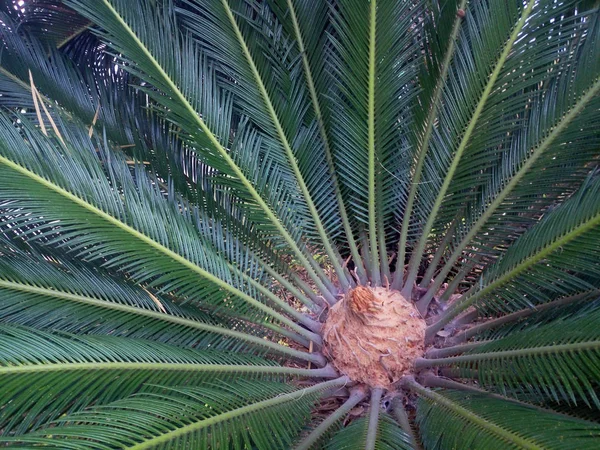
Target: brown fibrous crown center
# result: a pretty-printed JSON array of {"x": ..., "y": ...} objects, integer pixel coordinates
[{"x": 373, "y": 335}]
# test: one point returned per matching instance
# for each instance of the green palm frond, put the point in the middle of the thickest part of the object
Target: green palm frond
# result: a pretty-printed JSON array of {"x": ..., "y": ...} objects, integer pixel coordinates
[
  {"x": 133, "y": 225},
  {"x": 551, "y": 259},
  {"x": 389, "y": 436},
  {"x": 533, "y": 156},
  {"x": 275, "y": 98},
  {"x": 218, "y": 415},
  {"x": 210, "y": 211},
  {"x": 35, "y": 15},
  {"x": 374, "y": 66},
  {"x": 46, "y": 375},
  {"x": 135, "y": 31},
  {"x": 557, "y": 360},
  {"x": 470, "y": 82},
  {"x": 307, "y": 23},
  {"x": 90, "y": 301},
  {"x": 531, "y": 317},
  {"x": 479, "y": 422}
]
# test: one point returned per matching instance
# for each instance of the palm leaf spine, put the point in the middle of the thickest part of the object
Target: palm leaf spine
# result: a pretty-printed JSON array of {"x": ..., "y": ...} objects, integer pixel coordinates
[
  {"x": 422, "y": 363},
  {"x": 335, "y": 261},
  {"x": 326, "y": 372},
  {"x": 327, "y": 147},
  {"x": 437, "y": 257},
  {"x": 82, "y": 299},
  {"x": 293, "y": 312},
  {"x": 356, "y": 397},
  {"x": 507, "y": 436},
  {"x": 317, "y": 278},
  {"x": 230, "y": 415},
  {"x": 374, "y": 409},
  {"x": 422, "y": 150},
  {"x": 308, "y": 290},
  {"x": 379, "y": 220},
  {"x": 415, "y": 259},
  {"x": 400, "y": 415},
  {"x": 303, "y": 297},
  {"x": 373, "y": 238},
  {"x": 453, "y": 285},
  {"x": 434, "y": 353},
  {"x": 158, "y": 247},
  {"x": 364, "y": 248}
]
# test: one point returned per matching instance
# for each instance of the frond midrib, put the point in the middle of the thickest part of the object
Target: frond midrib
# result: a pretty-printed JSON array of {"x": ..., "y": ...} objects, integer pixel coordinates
[
  {"x": 155, "y": 245},
  {"x": 374, "y": 409},
  {"x": 288, "y": 151},
  {"x": 201, "y": 424},
  {"x": 416, "y": 256},
  {"x": 518, "y": 353},
  {"x": 221, "y": 150},
  {"x": 160, "y": 366},
  {"x": 108, "y": 305},
  {"x": 374, "y": 253},
  {"x": 470, "y": 416}
]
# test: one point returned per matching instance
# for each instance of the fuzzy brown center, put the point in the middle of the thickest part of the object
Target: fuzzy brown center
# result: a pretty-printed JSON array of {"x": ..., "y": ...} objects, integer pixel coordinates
[{"x": 373, "y": 335}]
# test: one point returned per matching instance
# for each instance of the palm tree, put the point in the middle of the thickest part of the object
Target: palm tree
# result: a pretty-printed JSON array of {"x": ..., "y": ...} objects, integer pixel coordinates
[{"x": 279, "y": 224}]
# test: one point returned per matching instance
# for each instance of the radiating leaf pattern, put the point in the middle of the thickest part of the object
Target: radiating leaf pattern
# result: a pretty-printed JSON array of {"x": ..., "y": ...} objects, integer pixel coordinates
[{"x": 199, "y": 181}]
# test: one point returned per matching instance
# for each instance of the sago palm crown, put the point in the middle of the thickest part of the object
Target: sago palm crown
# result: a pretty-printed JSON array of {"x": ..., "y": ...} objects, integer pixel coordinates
[{"x": 308, "y": 224}]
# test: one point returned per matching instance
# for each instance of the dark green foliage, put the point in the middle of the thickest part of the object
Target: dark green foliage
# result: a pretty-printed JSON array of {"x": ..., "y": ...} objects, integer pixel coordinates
[
  {"x": 454, "y": 420},
  {"x": 186, "y": 187},
  {"x": 390, "y": 437}
]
